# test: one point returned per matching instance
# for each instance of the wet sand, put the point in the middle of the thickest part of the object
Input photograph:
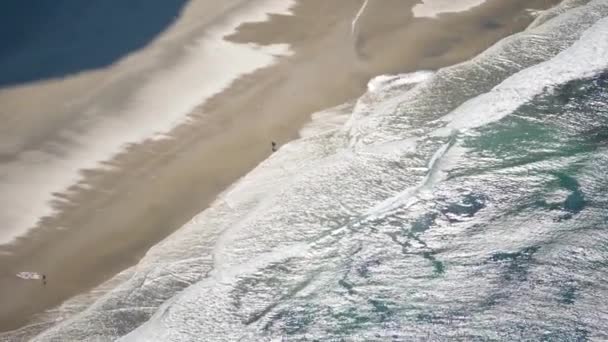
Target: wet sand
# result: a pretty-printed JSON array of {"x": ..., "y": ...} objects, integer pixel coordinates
[{"x": 106, "y": 223}]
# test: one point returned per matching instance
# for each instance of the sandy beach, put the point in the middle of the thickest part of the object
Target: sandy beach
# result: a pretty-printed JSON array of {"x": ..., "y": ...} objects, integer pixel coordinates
[{"x": 97, "y": 167}]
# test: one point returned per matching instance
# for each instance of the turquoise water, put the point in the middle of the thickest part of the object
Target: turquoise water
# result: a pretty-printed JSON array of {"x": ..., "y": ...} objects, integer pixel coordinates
[{"x": 512, "y": 246}]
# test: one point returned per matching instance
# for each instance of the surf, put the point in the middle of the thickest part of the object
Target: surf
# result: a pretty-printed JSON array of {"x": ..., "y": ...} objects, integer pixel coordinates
[{"x": 404, "y": 219}]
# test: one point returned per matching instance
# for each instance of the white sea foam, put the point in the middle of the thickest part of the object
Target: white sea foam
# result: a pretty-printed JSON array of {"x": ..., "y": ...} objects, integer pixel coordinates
[
  {"x": 161, "y": 102},
  {"x": 384, "y": 82},
  {"x": 409, "y": 196},
  {"x": 581, "y": 60}
]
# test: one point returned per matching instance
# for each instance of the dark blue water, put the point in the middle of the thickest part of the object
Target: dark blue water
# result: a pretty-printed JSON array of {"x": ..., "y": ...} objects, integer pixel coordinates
[{"x": 42, "y": 39}]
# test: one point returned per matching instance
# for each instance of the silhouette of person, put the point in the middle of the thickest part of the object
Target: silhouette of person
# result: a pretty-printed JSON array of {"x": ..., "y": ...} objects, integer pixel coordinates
[
  {"x": 44, "y": 279},
  {"x": 274, "y": 146}
]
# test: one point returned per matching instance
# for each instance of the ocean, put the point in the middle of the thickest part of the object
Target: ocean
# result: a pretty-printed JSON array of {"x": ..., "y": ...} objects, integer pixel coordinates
[{"x": 467, "y": 203}]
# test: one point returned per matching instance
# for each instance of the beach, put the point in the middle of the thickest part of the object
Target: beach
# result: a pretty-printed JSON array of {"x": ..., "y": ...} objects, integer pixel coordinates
[{"x": 97, "y": 167}]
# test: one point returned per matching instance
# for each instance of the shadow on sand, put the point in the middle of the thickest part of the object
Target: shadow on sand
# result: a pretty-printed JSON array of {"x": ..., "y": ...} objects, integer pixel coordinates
[{"x": 42, "y": 39}]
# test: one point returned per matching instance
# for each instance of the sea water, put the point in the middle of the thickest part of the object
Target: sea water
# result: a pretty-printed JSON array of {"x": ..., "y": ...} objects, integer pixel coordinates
[{"x": 468, "y": 204}]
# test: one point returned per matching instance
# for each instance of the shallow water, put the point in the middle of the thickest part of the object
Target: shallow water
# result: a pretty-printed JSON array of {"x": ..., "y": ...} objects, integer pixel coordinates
[{"x": 469, "y": 206}]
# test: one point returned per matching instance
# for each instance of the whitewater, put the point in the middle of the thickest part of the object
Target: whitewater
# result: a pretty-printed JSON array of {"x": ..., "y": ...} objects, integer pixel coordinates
[{"x": 467, "y": 203}]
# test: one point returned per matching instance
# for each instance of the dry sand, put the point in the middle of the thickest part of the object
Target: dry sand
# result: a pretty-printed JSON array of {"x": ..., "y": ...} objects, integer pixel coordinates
[{"x": 108, "y": 221}]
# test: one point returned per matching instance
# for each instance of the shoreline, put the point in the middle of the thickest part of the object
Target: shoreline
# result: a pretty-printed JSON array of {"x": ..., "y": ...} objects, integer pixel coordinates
[
  {"x": 147, "y": 192},
  {"x": 127, "y": 106}
]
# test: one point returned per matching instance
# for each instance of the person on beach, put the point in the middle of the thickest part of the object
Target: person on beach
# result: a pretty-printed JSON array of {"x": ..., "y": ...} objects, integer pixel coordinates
[
  {"x": 274, "y": 146},
  {"x": 44, "y": 279}
]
